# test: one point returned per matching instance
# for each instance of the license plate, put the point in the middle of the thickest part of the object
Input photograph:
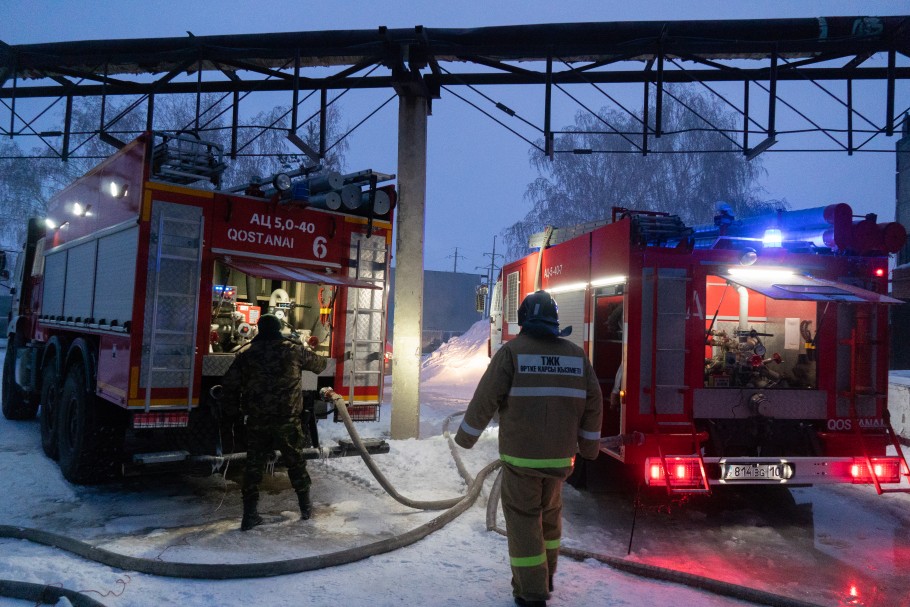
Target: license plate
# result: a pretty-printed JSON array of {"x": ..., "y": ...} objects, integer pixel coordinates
[{"x": 756, "y": 472}]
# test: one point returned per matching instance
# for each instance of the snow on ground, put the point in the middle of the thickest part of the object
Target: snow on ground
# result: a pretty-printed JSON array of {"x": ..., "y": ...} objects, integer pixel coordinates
[{"x": 186, "y": 518}]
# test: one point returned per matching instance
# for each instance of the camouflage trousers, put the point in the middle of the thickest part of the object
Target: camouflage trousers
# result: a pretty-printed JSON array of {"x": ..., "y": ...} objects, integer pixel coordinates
[{"x": 263, "y": 438}]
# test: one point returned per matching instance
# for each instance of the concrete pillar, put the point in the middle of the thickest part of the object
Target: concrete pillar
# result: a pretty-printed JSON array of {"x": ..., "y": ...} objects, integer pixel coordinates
[
  {"x": 902, "y": 210},
  {"x": 408, "y": 294},
  {"x": 900, "y": 315}
]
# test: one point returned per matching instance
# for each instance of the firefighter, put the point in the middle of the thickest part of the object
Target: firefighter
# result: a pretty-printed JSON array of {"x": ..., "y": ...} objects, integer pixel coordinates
[
  {"x": 263, "y": 384},
  {"x": 550, "y": 408}
]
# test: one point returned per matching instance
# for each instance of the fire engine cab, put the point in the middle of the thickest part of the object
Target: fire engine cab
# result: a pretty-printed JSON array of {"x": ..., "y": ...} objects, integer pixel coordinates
[
  {"x": 134, "y": 294},
  {"x": 750, "y": 351}
]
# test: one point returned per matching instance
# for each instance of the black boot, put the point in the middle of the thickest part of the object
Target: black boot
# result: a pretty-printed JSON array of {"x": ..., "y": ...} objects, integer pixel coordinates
[
  {"x": 306, "y": 506},
  {"x": 251, "y": 516}
]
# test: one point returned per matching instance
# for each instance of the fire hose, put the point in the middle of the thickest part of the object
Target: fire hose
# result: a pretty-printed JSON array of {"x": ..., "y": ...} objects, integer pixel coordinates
[{"x": 453, "y": 507}]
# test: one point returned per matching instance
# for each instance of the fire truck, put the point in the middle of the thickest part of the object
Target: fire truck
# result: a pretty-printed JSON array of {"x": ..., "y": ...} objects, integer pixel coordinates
[
  {"x": 135, "y": 293},
  {"x": 748, "y": 351}
]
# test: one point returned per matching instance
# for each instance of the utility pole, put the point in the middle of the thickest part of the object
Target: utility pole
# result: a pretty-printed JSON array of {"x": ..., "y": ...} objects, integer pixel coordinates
[
  {"x": 456, "y": 256},
  {"x": 486, "y": 292},
  {"x": 491, "y": 272}
]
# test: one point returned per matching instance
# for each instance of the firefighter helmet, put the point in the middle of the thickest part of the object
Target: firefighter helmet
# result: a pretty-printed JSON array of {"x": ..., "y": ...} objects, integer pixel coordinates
[{"x": 539, "y": 309}]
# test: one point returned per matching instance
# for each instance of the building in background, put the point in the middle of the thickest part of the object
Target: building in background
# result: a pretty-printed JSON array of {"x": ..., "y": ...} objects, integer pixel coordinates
[
  {"x": 449, "y": 306},
  {"x": 900, "y": 286}
]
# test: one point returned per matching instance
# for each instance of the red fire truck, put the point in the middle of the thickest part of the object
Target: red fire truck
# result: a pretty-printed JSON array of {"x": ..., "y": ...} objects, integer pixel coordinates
[
  {"x": 134, "y": 294},
  {"x": 749, "y": 351}
]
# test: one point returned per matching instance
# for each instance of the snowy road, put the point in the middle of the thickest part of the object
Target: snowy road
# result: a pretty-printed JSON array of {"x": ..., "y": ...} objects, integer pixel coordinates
[{"x": 830, "y": 545}]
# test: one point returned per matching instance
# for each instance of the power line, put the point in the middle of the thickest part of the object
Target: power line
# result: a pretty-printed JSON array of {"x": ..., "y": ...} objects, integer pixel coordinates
[{"x": 456, "y": 256}]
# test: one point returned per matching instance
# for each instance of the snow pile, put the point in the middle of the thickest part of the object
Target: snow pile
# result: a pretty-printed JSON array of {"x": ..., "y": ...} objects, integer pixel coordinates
[{"x": 457, "y": 365}]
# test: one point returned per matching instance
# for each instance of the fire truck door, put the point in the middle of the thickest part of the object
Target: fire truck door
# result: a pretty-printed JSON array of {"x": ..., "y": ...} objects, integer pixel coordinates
[
  {"x": 607, "y": 352},
  {"x": 663, "y": 345}
]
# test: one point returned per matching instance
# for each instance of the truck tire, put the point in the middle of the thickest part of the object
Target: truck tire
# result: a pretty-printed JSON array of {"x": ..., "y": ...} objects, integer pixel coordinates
[
  {"x": 15, "y": 404},
  {"x": 50, "y": 403},
  {"x": 89, "y": 434}
]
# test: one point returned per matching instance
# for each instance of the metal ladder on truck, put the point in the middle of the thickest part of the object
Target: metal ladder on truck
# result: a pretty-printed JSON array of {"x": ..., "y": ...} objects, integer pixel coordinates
[
  {"x": 890, "y": 435},
  {"x": 175, "y": 301},
  {"x": 367, "y": 324},
  {"x": 672, "y": 428}
]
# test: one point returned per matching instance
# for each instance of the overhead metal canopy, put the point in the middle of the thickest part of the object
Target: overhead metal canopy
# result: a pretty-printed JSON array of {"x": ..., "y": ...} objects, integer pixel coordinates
[
  {"x": 424, "y": 61},
  {"x": 821, "y": 38}
]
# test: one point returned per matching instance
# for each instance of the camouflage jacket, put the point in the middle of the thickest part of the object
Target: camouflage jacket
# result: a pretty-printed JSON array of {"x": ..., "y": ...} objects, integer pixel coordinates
[{"x": 264, "y": 380}]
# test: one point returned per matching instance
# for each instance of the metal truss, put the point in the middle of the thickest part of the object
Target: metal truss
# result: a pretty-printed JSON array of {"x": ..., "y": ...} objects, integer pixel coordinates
[{"x": 818, "y": 54}]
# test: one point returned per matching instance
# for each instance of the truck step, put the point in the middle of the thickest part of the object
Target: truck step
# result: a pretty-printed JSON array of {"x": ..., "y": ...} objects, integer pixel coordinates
[{"x": 161, "y": 457}]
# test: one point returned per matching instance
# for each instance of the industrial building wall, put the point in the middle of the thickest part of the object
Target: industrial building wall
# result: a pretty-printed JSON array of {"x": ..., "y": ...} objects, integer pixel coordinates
[{"x": 449, "y": 306}]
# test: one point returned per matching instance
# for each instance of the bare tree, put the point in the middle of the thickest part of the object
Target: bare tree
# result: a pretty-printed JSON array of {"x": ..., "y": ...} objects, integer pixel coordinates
[
  {"x": 266, "y": 149},
  {"x": 31, "y": 177},
  {"x": 21, "y": 194},
  {"x": 692, "y": 166}
]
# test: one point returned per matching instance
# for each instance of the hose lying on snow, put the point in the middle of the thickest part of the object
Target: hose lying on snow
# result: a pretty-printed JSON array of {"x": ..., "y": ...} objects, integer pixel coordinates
[
  {"x": 338, "y": 401},
  {"x": 454, "y": 508},
  {"x": 744, "y": 593},
  {"x": 219, "y": 571},
  {"x": 40, "y": 593}
]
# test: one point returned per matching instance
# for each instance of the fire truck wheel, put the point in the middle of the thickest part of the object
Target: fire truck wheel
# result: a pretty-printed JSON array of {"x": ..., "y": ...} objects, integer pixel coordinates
[
  {"x": 15, "y": 404},
  {"x": 47, "y": 417},
  {"x": 89, "y": 436}
]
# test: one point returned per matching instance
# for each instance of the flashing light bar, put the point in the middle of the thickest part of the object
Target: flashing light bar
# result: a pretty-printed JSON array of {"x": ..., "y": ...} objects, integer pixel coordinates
[
  {"x": 773, "y": 238},
  {"x": 886, "y": 470}
]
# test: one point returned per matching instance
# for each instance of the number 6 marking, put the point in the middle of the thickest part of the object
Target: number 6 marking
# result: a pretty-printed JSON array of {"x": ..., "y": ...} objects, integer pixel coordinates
[{"x": 319, "y": 248}]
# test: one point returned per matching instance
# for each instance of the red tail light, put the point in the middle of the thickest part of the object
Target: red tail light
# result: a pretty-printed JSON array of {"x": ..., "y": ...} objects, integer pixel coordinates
[
  {"x": 683, "y": 472},
  {"x": 886, "y": 470}
]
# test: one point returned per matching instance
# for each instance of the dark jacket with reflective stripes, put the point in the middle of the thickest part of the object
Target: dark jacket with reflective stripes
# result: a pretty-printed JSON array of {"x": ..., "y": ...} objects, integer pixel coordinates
[{"x": 549, "y": 403}]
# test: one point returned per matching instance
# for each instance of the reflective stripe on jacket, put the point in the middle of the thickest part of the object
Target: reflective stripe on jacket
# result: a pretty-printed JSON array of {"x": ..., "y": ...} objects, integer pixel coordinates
[{"x": 549, "y": 403}]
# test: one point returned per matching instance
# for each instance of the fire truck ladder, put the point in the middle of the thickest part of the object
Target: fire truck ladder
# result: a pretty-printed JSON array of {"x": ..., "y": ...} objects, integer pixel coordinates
[
  {"x": 667, "y": 429},
  {"x": 367, "y": 322},
  {"x": 178, "y": 264},
  {"x": 852, "y": 395}
]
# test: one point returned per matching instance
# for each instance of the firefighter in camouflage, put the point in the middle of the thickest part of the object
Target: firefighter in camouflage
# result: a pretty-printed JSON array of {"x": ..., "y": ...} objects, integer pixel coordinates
[
  {"x": 550, "y": 408},
  {"x": 263, "y": 384}
]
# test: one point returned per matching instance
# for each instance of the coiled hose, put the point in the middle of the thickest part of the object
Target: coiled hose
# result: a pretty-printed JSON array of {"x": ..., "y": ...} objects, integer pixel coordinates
[{"x": 453, "y": 507}]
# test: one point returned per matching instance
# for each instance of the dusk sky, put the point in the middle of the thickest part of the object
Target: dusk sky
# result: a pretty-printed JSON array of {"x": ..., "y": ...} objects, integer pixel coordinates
[{"x": 477, "y": 170}]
